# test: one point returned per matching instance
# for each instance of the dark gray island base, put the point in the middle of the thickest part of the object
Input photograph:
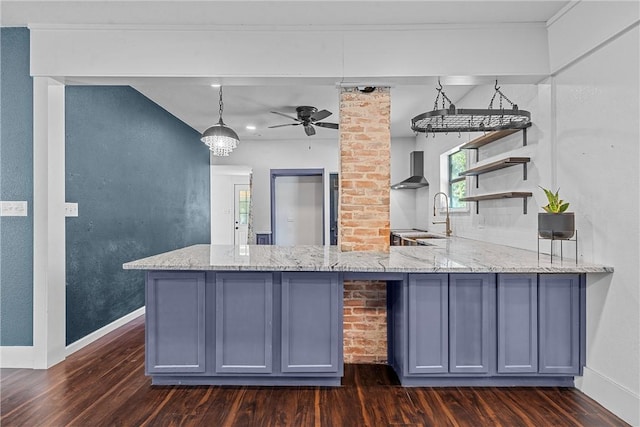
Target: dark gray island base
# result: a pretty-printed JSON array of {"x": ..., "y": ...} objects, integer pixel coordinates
[{"x": 209, "y": 322}]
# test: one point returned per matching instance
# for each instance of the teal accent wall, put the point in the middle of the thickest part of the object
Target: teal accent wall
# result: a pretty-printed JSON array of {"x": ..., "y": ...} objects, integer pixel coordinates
[
  {"x": 140, "y": 177},
  {"x": 16, "y": 183}
]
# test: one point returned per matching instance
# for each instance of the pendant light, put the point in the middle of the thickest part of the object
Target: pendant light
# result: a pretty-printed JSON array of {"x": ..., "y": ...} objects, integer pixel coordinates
[{"x": 220, "y": 138}]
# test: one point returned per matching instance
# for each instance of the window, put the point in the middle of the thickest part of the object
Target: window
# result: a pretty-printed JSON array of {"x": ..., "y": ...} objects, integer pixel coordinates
[{"x": 457, "y": 162}]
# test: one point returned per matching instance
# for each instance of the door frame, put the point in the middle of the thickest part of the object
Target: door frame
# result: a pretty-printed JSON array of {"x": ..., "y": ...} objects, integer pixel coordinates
[{"x": 275, "y": 173}]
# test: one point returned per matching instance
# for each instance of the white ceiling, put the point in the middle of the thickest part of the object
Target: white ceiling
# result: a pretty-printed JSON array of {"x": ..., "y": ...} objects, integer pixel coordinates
[{"x": 196, "y": 103}]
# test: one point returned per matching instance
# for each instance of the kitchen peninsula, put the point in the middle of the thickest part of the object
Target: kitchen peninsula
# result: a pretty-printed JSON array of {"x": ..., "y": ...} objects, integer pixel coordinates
[{"x": 460, "y": 312}]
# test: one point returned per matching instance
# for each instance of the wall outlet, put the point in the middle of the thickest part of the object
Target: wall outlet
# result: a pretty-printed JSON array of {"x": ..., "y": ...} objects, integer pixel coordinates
[
  {"x": 70, "y": 209},
  {"x": 11, "y": 208}
]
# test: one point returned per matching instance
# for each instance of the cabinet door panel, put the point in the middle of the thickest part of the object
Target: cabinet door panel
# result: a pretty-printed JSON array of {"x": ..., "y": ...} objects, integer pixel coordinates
[
  {"x": 175, "y": 322},
  {"x": 517, "y": 323},
  {"x": 311, "y": 326},
  {"x": 244, "y": 306},
  {"x": 559, "y": 317},
  {"x": 470, "y": 323},
  {"x": 428, "y": 323}
]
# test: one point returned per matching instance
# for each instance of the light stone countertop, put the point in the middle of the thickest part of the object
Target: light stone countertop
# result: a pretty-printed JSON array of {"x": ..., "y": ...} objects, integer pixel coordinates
[{"x": 451, "y": 255}]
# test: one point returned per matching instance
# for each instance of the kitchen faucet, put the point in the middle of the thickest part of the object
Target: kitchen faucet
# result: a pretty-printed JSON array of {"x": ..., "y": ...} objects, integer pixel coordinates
[{"x": 447, "y": 221}]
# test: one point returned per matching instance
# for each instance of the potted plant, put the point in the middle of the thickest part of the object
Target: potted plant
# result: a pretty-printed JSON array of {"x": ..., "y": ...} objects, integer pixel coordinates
[{"x": 555, "y": 222}]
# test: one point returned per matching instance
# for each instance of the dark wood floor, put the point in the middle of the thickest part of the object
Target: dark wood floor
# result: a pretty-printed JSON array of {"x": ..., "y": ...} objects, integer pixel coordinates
[{"x": 104, "y": 385}]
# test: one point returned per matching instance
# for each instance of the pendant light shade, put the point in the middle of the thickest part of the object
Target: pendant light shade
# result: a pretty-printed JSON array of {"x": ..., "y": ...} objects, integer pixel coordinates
[{"x": 220, "y": 138}]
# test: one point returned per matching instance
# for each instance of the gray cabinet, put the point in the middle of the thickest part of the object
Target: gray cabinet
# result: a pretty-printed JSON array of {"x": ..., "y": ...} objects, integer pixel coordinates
[
  {"x": 428, "y": 342},
  {"x": 559, "y": 319},
  {"x": 244, "y": 323},
  {"x": 487, "y": 329},
  {"x": 517, "y": 323},
  {"x": 449, "y": 322},
  {"x": 539, "y": 324},
  {"x": 175, "y": 322},
  {"x": 471, "y": 311},
  {"x": 244, "y": 328},
  {"x": 311, "y": 327}
]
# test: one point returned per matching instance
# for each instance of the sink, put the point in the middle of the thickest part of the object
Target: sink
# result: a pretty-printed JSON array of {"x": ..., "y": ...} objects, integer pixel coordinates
[
  {"x": 417, "y": 238},
  {"x": 419, "y": 235}
]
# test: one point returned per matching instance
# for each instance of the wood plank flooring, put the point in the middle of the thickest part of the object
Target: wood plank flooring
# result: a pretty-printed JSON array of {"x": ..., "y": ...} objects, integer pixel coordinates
[{"x": 104, "y": 385}]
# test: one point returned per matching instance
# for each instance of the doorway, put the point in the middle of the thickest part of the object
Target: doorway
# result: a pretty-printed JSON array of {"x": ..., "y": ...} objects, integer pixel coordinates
[
  {"x": 333, "y": 208},
  {"x": 297, "y": 206},
  {"x": 242, "y": 199}
]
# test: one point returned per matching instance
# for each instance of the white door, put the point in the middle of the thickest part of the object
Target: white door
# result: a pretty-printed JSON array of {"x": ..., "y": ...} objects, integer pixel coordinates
[
  {"x": 242, "y": 200},
  {"x": 299, "y": 210}
]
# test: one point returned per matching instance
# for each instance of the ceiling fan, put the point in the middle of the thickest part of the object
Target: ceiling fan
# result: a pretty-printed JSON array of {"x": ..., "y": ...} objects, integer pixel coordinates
[{"x": 308, "y": 117}]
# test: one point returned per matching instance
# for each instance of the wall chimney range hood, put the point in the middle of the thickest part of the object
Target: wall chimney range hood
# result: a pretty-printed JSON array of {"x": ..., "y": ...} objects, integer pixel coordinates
[{"x": 416, "y": 173}]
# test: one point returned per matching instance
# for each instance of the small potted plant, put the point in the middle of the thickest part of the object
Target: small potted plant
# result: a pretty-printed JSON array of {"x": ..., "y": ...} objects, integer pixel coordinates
[{"x": 555, "y": 222}]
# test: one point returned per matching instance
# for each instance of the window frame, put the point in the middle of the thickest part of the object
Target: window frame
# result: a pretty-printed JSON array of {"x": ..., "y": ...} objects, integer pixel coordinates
[{"x": 446, "y": 182}]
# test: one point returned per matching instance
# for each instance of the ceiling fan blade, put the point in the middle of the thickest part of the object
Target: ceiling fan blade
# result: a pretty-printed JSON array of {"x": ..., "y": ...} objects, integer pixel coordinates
[
  {"x": 286, "y": 115},
  {"x": 327, "y": 125},
  {"x": 288, "y": 124},
  {"x": 319, "y": 115},
  {"x": 309, "y": 130}
]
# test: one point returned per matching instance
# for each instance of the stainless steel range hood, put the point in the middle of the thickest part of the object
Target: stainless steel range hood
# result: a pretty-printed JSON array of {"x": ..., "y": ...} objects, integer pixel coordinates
[{"x": 416, "y": 173}]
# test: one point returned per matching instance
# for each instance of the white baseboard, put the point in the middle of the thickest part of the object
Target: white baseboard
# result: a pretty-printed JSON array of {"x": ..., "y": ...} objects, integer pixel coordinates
[
  {"x": 16, "y": 357},
  {"x": 85, "y": 341},
  {"x": 616, "y": 398}
]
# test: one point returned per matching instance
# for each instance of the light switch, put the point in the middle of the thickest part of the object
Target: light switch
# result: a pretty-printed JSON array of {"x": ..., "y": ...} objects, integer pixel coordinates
[
  {"x": 12, "y": 208},
  {"x": 70, "y": 209}
]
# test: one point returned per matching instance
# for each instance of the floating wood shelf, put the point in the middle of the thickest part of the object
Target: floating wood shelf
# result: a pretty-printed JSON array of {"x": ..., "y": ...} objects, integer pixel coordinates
[
  {"x": 490, "y": 137},
  {"x": 494, "y": 166},
  {"x": 495, "y": 196},
  {"x": 499, "y": 164}
]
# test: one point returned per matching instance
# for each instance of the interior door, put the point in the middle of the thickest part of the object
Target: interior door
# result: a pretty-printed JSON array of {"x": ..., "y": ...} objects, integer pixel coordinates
[
  {"x": 333, "y": 208},
  {"x": 298, "y": 210},
  {"x": 242, "y": 200}
]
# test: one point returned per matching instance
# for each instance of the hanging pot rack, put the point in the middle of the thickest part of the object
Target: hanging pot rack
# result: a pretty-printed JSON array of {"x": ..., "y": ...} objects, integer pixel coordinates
[{"x": 448, "y": 118}]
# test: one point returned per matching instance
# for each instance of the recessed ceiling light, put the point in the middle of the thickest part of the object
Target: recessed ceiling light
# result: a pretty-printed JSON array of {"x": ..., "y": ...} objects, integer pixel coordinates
[
  {"x": 250, "y": 127},
  {"x": 215, "y": 85}
]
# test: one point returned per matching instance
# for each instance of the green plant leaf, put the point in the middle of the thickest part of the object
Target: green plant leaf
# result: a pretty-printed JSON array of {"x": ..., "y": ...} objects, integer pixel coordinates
[{"x": 556, "y": 204}]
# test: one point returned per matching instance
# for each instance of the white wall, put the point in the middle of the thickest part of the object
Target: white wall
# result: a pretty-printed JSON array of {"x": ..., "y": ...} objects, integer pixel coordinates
[
  {"x": 223, "y": 180},
  {"x": 402, "y": 202},
  {"x": 345, "y": 52},
  {"x": 584, "y": 139},
  {"x": 596, "y": 141},
  {"x": 499, "y": 221},
  {"x": 311, "y": 153},
  {"x": 262, "y": 156}
]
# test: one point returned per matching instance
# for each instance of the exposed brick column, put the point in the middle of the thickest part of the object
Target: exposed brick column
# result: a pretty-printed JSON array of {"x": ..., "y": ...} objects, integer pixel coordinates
[{"x": 365, "y": 142}]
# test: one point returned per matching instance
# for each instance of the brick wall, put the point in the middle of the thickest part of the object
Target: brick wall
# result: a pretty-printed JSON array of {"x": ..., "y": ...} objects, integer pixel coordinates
[
  {"x": 365, "y": 141},
  {"x": 365, "y": 322}
]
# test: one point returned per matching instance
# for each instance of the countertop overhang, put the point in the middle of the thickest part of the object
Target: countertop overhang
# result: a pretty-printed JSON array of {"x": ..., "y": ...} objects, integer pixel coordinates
[{"x": 450, "y": 255}]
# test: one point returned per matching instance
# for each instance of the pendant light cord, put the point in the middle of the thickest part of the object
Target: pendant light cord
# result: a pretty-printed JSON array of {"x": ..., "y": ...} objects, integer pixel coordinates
[{"x": 221, "y": 104}]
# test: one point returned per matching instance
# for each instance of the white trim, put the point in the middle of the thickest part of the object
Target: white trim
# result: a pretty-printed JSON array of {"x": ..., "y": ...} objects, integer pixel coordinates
[
  {"x": 92, "y": 337},
  {"x": 615, "y": 397},
  {"x": 16, "y": 357},
  {"x": 444, "y": 181},
  {"x": 351, "y": 27},
  {"x": 559, "y": 14},
  {"x": 49, "y": 265}
]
